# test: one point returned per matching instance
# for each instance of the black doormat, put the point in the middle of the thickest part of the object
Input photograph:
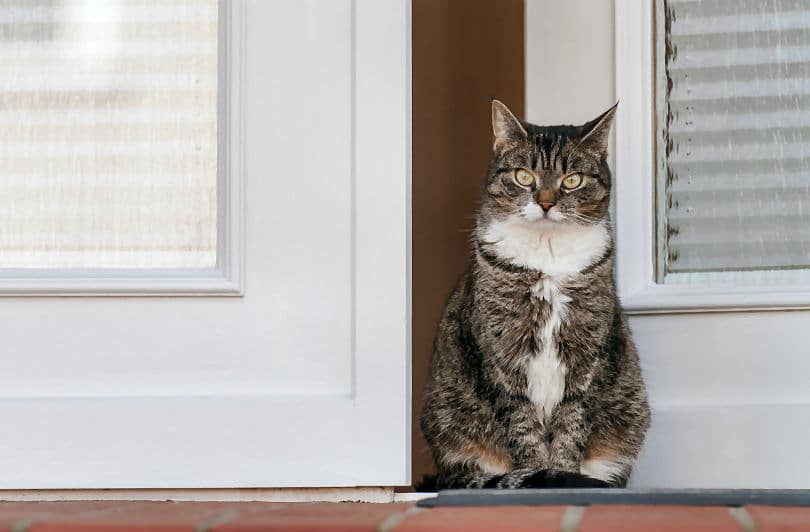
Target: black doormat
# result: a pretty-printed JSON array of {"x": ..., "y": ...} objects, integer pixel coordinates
[{"x": 584, "y": 497}]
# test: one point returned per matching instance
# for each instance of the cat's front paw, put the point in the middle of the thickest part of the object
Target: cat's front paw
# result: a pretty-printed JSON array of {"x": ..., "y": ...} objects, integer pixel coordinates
[{"x": 551, "y": 478}]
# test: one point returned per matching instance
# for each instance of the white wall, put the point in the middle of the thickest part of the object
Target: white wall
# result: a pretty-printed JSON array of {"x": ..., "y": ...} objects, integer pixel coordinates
[
  {"x": 730, "y": 394},
  {"x": 569, "y": 60}
]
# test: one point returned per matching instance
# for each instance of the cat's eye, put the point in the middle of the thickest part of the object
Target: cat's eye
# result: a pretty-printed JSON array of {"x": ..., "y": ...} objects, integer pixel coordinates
[
  {"x": 524, "y": 177},
  {"x": 572, "y": 181}
]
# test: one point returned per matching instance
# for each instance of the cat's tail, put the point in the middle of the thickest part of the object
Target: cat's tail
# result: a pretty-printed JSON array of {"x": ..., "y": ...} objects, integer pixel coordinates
[{"x": 519, "y": 478}]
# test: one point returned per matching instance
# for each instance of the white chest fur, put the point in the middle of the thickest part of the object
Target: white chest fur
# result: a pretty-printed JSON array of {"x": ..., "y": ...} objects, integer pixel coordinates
[
  {"x": 546, "y": 372},
  {"x": 560, "y": 251},
  {"x": 556, "y": 249}
]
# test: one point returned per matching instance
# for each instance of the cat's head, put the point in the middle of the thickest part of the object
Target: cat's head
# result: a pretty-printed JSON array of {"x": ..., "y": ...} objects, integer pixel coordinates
[{"x": 548, "y": 175}]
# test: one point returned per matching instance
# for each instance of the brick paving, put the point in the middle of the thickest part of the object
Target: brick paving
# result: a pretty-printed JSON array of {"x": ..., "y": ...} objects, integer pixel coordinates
[{"x": 109, "y": 516}]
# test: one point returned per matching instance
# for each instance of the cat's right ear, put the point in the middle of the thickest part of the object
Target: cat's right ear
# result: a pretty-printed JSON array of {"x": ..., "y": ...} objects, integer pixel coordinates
[{"x": 506, "y": 129}]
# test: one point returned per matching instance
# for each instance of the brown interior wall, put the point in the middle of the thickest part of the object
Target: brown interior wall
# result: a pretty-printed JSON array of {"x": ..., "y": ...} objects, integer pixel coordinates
[{"x": 465, "y": 52}]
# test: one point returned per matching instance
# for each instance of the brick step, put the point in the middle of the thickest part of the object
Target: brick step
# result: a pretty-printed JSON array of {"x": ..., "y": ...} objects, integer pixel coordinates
[{"x": 109, "y": 516}]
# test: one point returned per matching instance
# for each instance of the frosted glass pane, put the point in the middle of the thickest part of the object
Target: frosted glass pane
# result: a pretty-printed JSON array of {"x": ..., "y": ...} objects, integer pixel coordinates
[
  {"x": 108, "y": 118},
  {"x": 733, "y": 107}
]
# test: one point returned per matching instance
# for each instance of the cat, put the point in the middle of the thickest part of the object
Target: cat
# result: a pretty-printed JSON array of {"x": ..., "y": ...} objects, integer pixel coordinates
[{"x": 534, "y": 379}]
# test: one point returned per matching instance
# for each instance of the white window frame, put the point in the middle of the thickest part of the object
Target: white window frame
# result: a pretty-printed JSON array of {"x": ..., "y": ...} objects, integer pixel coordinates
[
  {"x": 635, "y": 191},
  {"x": 226, "y": 278}
]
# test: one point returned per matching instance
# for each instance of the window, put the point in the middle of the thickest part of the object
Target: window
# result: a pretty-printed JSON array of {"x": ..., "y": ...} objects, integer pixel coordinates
[
  {"x": 109, "y": 116},
  {"x": 732, "y": 115},
  {"x": 711, "y": 184}
]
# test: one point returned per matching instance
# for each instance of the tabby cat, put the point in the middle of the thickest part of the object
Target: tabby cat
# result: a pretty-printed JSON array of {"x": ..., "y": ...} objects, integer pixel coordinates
[{"x": 535, "y": 381}]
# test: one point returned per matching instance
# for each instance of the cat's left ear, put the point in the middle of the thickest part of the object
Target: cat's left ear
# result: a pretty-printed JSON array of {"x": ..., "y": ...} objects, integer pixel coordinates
[{"x": 594, "y": 134}]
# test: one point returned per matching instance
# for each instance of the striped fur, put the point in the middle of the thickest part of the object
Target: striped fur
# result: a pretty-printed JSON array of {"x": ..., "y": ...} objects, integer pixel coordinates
[{"x": 534, "y": 379}]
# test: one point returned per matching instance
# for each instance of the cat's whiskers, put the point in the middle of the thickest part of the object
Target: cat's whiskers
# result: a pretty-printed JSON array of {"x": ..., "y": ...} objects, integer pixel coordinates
[{"x": 575, "y": 216}]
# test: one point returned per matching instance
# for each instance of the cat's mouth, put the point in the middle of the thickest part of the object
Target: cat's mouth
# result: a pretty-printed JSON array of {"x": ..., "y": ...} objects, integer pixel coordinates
[
  {"x": 553, "y": 216},
  {"x": 540, "y": 216}
]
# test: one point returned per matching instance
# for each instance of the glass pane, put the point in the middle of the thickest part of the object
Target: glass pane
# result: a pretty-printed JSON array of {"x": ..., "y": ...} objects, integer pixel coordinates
[
  {"x": 109, "y": 127},
  {"x": 733, "y": 108}
]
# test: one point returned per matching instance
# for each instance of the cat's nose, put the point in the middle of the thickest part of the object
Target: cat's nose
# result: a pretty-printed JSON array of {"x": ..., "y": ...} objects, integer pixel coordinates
[{"x": 546, "y": 198}]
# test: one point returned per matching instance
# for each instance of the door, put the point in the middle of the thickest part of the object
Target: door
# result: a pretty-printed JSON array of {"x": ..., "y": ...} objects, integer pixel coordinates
[
  {"x": 712, "y": 239},
  {"x": 281, "y": 358},
  {"x": 722, "y": 343}
]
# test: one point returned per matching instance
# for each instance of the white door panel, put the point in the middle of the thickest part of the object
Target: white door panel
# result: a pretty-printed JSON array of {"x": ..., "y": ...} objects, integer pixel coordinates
[
  {"x": 726, "y": 446},
  {"x": 730, "y": 399},
  {"x": 725, "y": 358},
  {"x": 302, "y": 381}
]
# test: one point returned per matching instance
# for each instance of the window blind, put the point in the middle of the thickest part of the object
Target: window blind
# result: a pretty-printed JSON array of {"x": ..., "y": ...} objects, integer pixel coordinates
[
  {"x": 108, "y": 119},
  {"x": 733, "y": 112}
]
